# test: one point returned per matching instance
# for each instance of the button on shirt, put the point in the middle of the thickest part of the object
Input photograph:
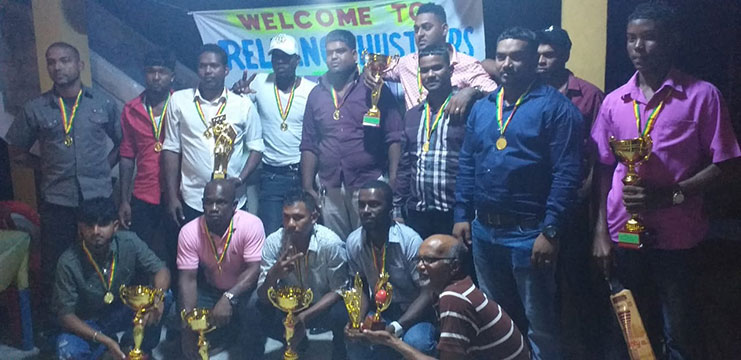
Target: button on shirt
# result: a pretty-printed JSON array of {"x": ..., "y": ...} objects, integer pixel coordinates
[
  {"x": 402, "y": 247},
  {"x": 81, "y": 169},
  {"x": 349, "y": 152},
  {"x": 537, "y": 174},
  {"x": 184, "y": 135},
  {"x": 281, "y": 147},
  {"x": 324, "y": 268},
  {"x": 692, "y": 131}
]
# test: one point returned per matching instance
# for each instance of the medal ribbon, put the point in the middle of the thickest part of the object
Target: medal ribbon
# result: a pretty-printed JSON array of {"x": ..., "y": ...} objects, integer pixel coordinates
[
  {"x": 383, "y": 259},
  {"x": 419, "y": 84},
  {"x": 112, "y": 269},
  {"x": 284, "y": 114},
  {"x": 429, "y": 129},
  {"x": 157, "y": 126},
  {"x": 222, "y": 106},
  {"x": 229, "y": 234},
  {"x": 651, "y": 118},
  {"x": 68, "y": 120},
  {"x": 500, "y": 108},
  {"x": 335, "y": 100}
]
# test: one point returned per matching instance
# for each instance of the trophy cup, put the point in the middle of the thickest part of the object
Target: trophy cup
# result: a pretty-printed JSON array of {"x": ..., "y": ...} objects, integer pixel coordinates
[
  {"x": 382, "y": 297},
  {"x": 224, "y": 136},
  {"x": 631, "y": 152},
  {"x": 140, "y": 299},
  {"x": 197, "y": 320},
  {"x": 290, "y": 299},
  {"x": 377, "y": 63},
  {"x": 352, "y": 298}
]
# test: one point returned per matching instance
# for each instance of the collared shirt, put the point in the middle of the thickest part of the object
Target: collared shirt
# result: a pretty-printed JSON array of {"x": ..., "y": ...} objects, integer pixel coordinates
[
  {"x": 323, "y": 268},
  {"x": 467, "y": 72},
  {"x": 587, "y": 98},
  {"x": 77, "y": 286},
  {"x": 402, "y": 246},
  {"x": 184, "y": 135},
  {"x": 195, "y": 249},
  {"x": 426, "y": 180},
  {"x": 692, "y": 131},
  {"x": 138, "y": 144},
  {"x": 81, "y": 171},
  {"x": 349, "y": 153},
  {"x": 281, "y": 147},
  {"x": 537, "y": 174},
  {"x": 471, "y": 324}
]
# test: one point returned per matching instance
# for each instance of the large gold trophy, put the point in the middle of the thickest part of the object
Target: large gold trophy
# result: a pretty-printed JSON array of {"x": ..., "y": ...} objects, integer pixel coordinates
[
  {"x": 198, "y": 321},
  {"x": 631, "y": 152},
  {"x": 377, "y": 64},
  {"x": 224, "y": 136},
  {"x": 352, "y": 299},
  {"x": 140, "y": 299},
  {"x": 290, "y": 299},
  {"x": 382, "y": 296}
]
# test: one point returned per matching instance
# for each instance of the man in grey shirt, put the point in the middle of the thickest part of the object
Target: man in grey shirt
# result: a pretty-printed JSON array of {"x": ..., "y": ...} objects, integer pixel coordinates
[{"x": 71, "y": 123}]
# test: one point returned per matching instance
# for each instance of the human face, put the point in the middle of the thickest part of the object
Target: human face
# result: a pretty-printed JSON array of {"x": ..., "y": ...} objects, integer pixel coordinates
[
  {"x": 97, "y": 238},
  {"x": 429, "y": 31},
  {"x": 159, "y": 78},
  {"x": 340, "y": 58},
  {"x": 63, "y": 65},
  {"x": 284, "y": 65},
  {"x": 211, "y": 71},
  {"x": 372, "y": 208},
  {"x": 218, "y": 205},
  {"x": 550, "y": 60},
  {"x": 515, "y": 62},
  {"x": 298, "y": 221},
  {"x": 434, "y": 264},
  {"x": 435, "y": 73},
  {"x": 647, "y": 45}
]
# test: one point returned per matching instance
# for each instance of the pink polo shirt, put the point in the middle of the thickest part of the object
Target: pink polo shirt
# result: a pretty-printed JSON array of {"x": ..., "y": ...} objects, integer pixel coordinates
[
  {"x": 246, "y": 246},
  {"x": 692, "y": 131}
]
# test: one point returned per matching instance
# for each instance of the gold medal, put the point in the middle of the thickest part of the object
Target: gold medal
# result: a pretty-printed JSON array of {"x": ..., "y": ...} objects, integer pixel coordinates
[
  {"x": 67, "y": 140},
  {"x": 207, "y": 134},
  {"x": 336, "y": 114},
  {"x": 108, "y": 298},
  {"x": 283, "y": 126},
  {"x": 157, "y": 146},
  {"x": 501, "y": 143},
  {"x": 426, "y": 147}
]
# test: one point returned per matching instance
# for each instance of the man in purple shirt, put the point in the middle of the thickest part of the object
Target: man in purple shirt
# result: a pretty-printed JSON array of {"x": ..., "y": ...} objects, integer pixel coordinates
[
  {"x": 335, "y": 141},
  {"x": 693, "y": 148}
]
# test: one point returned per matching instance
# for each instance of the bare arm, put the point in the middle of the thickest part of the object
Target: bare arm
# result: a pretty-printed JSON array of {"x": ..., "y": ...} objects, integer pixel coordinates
[
  {"x": 417, "y": 309},
  {"x": 113, "y": 156},
  {"x": 308, "y": 172},
  {"x": 394, "y": 157},
  {"x": 171, "y": 169},
  {"x": 75, "y": 325},
  {"x": 602, "y": 244},
  {"x": 126, "y": 173},
  {"x": 188, "y": 286},
  {"x": 406, "y": 350},
  {"x": 252, "y": 161},
  {"x": 24, "y": 158}
]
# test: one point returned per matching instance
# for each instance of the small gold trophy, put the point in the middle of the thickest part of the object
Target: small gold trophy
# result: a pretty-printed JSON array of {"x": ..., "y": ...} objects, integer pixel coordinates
[
  {"x": 290, "y": 299},
  {"x": 631, "y": 152},
  {"x": 377, "y": 63},
  {"x": 140, "y": 299},
  {"x": 197, "y": 320},
  {"x": 382, "y": 297},
  {"x": 352, "y": 299},
  {"x": 224, "y": 136}
]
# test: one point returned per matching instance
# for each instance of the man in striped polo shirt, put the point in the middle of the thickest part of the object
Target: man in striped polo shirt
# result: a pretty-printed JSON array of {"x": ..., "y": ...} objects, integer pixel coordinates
[{"x": 471, "y": 326}]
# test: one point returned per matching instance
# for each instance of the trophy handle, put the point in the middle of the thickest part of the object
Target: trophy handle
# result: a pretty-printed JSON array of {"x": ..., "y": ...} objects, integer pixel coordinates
[
  {"x": 123, "y": 292},
  {"x": 272, "y": 295},
  {"x": 307, "y": 298},
  {"x": 182, "y": 315}
]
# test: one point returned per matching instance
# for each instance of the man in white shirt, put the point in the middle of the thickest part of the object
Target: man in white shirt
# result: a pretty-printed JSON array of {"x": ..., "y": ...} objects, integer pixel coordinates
[{"x": 188, "y": 155}]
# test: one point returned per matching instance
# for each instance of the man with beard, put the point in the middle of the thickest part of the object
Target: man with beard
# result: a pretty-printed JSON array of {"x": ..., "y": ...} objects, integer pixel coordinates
[
  {"x": 335, "y": 140},
  {"x": 471, "y": 326},
  {"x": 383, "y": 246},
  {"x": 308, "y": 255},
  {"x": 519, "y": 172}
]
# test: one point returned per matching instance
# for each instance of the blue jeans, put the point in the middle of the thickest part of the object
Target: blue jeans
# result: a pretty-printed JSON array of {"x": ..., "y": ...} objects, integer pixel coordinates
[
  {"x": 502, "y": 260},
  {"x": 275, "y": 183},
  {"x": 71, "y": 346}
]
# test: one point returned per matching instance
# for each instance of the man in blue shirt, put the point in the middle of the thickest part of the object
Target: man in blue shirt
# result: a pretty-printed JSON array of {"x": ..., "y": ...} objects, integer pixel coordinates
[{"x": 519, "y": 172}]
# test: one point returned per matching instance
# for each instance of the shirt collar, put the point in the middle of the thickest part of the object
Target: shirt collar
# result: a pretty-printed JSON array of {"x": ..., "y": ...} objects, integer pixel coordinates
[
  {"x": 53, "y": 97},
  {"x": 466, "y": 282},
  {"x": 394, "y": 234},
  {"x": 197, "y": 95},
  {"x": 538, "y": 89},
  {"x": 324, "y": 80},
  {"x": 633, "y": 92},
  {"x": 572, "y": 83}
]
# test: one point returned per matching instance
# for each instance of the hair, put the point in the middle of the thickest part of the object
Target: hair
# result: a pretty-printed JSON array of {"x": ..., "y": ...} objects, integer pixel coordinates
[
  {"x": 520, "y": 33},
  {"x": 64, "y": 45},
  {"x": 216, "y": 49},
  {"x": 342, "y": 35},
  {"x": 388, "y": 194},
  {"x": 556, "y": 37},
  {"x": 97, "y": 211},
  {"x": 160, "y": 57},
  {"x": 658, "y": 11},
  {"x": 300, "y": 196},
  {"x": 436, "y": 51},
  {"x": 226, "y": 183},
  {"x": 434, "y": 9},
  {"x": 458, "y": 252}
]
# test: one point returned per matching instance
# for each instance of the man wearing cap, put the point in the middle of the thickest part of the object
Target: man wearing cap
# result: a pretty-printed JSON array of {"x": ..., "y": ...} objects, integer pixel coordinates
[{"x": 281, "y": 100}]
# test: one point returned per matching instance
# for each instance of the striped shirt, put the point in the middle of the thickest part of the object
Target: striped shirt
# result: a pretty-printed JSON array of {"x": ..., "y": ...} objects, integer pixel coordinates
[{"x": 470, "y": 324}]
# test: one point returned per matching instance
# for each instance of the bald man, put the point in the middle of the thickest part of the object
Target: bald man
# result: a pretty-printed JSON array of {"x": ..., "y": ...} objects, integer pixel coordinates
[{"x": 471, "y": 326}]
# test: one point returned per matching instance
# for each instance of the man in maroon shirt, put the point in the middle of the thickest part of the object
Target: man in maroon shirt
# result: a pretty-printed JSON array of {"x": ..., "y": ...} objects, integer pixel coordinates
[{"x": 346, "y": 152}]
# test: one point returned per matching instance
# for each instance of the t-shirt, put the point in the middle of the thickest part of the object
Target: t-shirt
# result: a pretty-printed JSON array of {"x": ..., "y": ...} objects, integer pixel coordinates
[{"x": 194, "y": 249}]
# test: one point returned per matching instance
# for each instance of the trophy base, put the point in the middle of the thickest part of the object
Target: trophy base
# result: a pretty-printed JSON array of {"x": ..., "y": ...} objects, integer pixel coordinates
[
  {"x": 630, "y": 240},
  {"x": 372, "y": 120},
  {"x": 371, "y": 324}
]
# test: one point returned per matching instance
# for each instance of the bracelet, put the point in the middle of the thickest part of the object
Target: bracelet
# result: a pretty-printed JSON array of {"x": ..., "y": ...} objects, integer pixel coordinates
[{"x": 95, "y": 336}]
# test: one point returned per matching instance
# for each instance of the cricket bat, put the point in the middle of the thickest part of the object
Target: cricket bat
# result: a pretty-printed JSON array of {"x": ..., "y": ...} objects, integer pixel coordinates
[{"x": 639, "y": 347}]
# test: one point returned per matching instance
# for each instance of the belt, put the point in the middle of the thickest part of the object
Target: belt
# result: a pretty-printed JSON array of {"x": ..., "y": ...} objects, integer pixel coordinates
[
  {"x": 292, "y": 168},
  {"x": 493, "y": 219}
]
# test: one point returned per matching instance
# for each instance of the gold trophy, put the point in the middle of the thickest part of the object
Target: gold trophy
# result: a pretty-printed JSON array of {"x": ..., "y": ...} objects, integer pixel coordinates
[
  {"x": 352, "y": 299},
  {"x": 290, "y": 299},
  {"x": 382, "y": 297},
  {"x": 224, "y": 136},
  {"x": 140, "y": 299},
  {"x": 197, "y": 320},
  {"x": 377, "y": 64},
  {"x": 631, "y": 152}
]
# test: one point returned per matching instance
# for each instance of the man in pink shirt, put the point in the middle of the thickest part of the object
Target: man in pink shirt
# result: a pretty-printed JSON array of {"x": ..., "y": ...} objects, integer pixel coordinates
[
  {"x": 692, "y": 144},
  {"x": 225, "y": 246}
]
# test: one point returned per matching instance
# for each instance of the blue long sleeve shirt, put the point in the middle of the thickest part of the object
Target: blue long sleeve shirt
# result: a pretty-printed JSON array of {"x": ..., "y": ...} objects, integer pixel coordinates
[{"x": 537, "y": 174}]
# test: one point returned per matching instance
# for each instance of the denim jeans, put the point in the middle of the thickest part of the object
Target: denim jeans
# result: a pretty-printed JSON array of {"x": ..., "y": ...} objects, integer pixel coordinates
[
  {"x": 274, "y": 185},
  {"x": 526, "y": 293}
]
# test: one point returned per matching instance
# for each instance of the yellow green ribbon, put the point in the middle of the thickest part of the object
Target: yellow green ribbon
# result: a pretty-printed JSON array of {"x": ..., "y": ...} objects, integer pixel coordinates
[{"x": 68, "y": 120}]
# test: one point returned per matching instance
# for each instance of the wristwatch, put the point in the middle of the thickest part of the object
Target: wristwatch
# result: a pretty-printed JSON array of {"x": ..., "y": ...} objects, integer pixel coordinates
[
  {"x": 398, "y": 329},
  {"x": 678, "y": 196},
  {"x": 551, "y": 232},
  {"x": 232, "y": 299}
]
